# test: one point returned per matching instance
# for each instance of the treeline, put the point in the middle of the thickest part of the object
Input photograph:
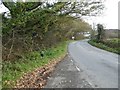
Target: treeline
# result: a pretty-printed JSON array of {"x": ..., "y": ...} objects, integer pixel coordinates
[
  {"x": 34, "y": 26},
  {"x": 100, "y": 40}
]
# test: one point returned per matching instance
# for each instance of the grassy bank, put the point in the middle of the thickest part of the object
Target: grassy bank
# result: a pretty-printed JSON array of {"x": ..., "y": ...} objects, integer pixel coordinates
[
  {"x": 111, "y": 45},
  {"x": 31, "y": 61}
]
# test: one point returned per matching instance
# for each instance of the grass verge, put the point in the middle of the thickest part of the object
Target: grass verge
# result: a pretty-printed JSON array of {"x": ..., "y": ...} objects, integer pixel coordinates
[
  {"x": 31, "y": 61},
  {"x": 111, "y": 45}
]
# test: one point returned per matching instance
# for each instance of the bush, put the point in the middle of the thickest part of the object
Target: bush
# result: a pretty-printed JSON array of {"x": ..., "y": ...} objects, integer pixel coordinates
[{"x": 109, "y": 45}]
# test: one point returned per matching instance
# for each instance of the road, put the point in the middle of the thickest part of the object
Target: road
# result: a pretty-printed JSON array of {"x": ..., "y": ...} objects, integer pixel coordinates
[
  {"x": 67, "y": 75},
  {"x": 85, "y": 67},
  {"x": 100, "y": 68}
]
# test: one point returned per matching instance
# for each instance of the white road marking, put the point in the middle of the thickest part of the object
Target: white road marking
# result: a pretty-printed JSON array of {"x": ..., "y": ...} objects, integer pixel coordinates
[
  {"x": 71, "y": 60},
  {"x": 77, "y": 68},
  {"x": 91, "y": 84}
]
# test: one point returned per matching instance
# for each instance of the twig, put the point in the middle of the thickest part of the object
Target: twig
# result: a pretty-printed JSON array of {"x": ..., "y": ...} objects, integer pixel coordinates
[{"x": 11, "y": 46}]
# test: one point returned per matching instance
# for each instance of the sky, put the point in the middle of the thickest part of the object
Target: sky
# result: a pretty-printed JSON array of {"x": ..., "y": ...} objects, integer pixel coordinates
[{"x": 109, "y": 18}]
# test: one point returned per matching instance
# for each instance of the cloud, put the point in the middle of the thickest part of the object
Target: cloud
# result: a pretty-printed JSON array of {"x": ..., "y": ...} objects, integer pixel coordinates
[{"x": 110, "y": 16}]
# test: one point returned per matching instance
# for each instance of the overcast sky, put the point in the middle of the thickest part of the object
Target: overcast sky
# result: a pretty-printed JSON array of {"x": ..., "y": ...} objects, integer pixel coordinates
[{"x": 109, "y": 17}]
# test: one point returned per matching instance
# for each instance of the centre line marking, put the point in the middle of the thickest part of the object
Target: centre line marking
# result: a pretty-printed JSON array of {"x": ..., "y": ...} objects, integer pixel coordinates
[
  {"x": 71, "y": 60},
  {"x": 77, "y": 68}
]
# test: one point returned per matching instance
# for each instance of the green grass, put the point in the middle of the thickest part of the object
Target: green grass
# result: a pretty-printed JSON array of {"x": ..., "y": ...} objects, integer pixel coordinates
[
  {"x": 13, "y": 71},
  {"x": 111, "y": 45},
  {"x": 0, "y": 76}
]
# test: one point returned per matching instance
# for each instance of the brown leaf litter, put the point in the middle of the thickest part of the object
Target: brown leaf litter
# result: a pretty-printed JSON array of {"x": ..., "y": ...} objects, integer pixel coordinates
[{"x": 37, "y": 78}]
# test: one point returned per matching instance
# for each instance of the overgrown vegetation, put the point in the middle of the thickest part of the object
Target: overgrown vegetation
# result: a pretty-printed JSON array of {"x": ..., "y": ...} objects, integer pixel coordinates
[
  {"x": 100, "y": 41},
  {"x": 31, "y": 61},
  {"x": 111, "y": 45},
  {"x": 31, "y": 28}
]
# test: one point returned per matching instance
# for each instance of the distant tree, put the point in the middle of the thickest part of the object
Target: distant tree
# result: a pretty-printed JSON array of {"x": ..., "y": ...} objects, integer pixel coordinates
[{"x": 100, "y": 35}]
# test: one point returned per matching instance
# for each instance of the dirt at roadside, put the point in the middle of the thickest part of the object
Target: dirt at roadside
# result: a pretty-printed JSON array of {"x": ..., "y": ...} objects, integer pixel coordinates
[
  {"x": 67, "y": 75},
  {"x": 61, "y": 73},
  {"x": 38, "y": 77}
]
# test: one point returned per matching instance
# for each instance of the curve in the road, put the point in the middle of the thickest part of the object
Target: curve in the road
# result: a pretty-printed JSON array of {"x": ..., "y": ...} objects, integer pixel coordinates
[{"x": 100, "y": 67}]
